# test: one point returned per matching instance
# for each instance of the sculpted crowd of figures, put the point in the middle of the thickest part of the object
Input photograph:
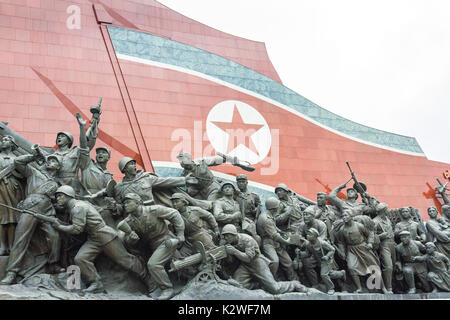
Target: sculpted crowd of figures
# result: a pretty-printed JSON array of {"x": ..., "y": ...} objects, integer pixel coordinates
[{"x": 170, "y": 228}]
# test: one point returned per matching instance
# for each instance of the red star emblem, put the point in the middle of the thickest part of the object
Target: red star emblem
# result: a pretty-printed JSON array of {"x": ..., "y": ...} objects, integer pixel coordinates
[{"x": 239, "y": 132}]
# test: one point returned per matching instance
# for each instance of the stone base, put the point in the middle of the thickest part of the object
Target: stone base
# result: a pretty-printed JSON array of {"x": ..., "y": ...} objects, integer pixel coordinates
[
  {"x": 50, "y": 288},
  {"x": 218, "y": 291}
]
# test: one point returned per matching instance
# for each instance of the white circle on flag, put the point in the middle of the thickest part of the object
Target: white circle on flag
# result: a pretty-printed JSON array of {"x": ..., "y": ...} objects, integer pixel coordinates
[{"x": 237, "y": 129}]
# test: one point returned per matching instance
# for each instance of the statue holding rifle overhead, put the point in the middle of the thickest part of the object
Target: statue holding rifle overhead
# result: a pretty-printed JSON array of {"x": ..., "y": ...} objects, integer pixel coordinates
[{"x": 357, "y": 208}]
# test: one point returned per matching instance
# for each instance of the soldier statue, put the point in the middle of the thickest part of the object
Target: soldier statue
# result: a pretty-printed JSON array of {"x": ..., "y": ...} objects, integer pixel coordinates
[
  {"x": 194, "y": 219},
  {"x": 310, "y": 221},
  {"x": 440, "y": 232},
  {"x": 358, "y": 208},
  {"x": 308, "y": 260},
  {"x": 445, "y": 209},
  {"x": 438, "y": 268},
  {"x": 406, "y": 223},
  {"x": 407, "y": 251},
  {"x": 100, "y": 239},
  {"x": 146, "y": 226},
  {"x": 206, "y": 185},
  {"x": 321, "y": 252},
  {"x": 253, "y": 266},
  {"x": 11, "y": 193},
  {"x": 273, "y": 243},
  {"x": 226, "y": 209},
  {"x": 357, "y": 241},
  {"x": 141, "y": 182},
  {"x": 441, "y": 190},
  {"x": 290, "y": 215},
  {"x": 71, "y": 157},
  {"x": 40, "y": 190},
  {"x": 94, "y": 179},
  {"x": 324, "y": 212},
  {"x": 387, "y": 254},
  {"x": 250, "y": 205}
]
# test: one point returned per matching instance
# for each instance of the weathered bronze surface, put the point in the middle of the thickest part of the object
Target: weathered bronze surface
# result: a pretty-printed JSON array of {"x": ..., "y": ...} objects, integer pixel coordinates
[{"x": 60, "y": 208}]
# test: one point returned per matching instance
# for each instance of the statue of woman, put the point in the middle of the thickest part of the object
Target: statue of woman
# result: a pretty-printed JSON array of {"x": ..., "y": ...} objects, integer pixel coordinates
[{"x": 11, "y": 193}]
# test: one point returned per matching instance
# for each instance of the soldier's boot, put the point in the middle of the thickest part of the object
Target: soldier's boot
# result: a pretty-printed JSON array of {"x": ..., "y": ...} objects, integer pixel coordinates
[
  {"x": 291, "y": 274},
  {"x": 166, "y": 294},
  {"x": 357, "y": 283},
  {"x": 151, "y": 285},
  {"x": 95, "y": 287},
  {"x": 435, "y": 289},
  {"x": 304, "y": 289},
  {"x": 387, "y": 289},
  {"x": 412, "y": 291},
  {"x": 298, "y": 287},
  {"x": 409, "y": 278},
  {"x": 10, "y": 278}
]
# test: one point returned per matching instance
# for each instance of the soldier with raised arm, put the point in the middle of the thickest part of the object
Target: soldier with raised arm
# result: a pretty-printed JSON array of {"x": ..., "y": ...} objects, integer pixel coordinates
[
  {"x": 358, "y": 208},
  {"x": 141, "y": 182},
  {"x": 446, "y": 214},
  {"x": 71, "y": 156},
  {"x": 146, "y": 226},
  {"x": 207, "y": 185},
  {"x": 441, "y": 190}
]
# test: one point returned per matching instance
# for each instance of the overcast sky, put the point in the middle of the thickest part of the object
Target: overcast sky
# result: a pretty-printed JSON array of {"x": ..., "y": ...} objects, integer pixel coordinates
[{"x": 382, "y": 63}]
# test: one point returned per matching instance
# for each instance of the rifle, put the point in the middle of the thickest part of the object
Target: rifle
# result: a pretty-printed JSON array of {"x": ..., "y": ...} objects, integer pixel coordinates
[
  {"x": 34, "y": 214},
  {"x": 217, "y": 253},
  {"x": 97, "y": 109},
  {"x": 421, "y": 224},
  {"x": 303, "y": 199},
  {"x": 360, "y": 188},
  {"x": 236, "y": 162},
  {"x": 40, "y": 157},
  {"x": 443, "y": 194}
]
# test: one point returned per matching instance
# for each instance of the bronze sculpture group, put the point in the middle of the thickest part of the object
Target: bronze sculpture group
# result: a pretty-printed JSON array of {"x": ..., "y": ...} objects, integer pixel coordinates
[{"x": 198, "y": 227}]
